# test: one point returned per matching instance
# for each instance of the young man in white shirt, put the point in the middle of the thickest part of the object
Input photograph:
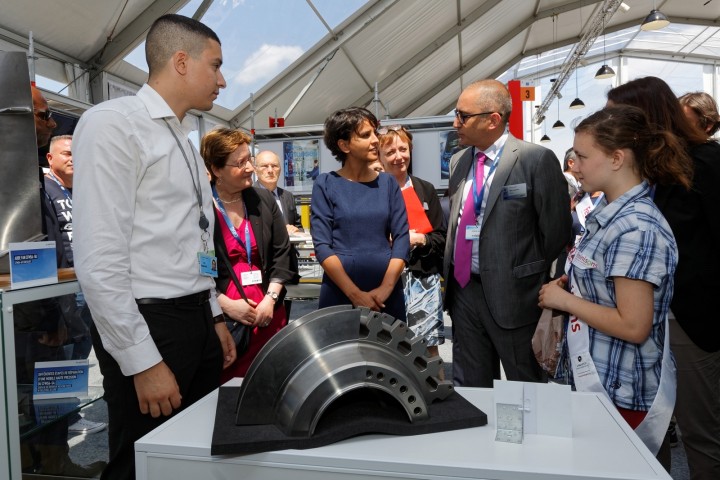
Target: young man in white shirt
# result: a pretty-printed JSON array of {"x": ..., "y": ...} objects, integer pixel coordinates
[{"x": 143, "y": 239}]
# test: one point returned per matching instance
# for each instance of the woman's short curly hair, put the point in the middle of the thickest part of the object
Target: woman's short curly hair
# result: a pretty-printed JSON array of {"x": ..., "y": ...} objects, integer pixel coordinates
[
  {"x": 217, "y": 145},
  {"x": 342, "y": 124}
]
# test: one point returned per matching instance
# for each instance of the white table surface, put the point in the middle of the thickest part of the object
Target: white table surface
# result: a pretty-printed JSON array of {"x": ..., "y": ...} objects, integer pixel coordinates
[{"x": 602, "y": 447}]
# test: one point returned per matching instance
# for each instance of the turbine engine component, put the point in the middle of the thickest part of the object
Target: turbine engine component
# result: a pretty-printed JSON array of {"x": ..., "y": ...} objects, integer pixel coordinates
[{"x": 319, "y": 358}]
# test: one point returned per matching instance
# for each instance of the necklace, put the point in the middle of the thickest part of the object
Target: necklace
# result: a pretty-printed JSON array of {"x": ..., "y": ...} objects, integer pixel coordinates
[{"x": 227, "y": 202}]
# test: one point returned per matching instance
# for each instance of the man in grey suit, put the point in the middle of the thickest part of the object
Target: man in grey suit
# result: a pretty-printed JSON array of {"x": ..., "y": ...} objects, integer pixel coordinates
[{"x": 509, "y": 219}]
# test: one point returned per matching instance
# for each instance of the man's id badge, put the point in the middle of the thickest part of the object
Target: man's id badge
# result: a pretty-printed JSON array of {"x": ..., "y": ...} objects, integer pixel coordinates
[
  {"x": 208, "y": 264},
  {"x": 472, "y": 232},
  {"x": 510, "y": 192},
  {"x": 252, "y": 277}
]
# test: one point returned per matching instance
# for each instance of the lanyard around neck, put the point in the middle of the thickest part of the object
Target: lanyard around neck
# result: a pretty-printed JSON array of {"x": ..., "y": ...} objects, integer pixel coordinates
[
  {"x": 64, "y": 190},
  {"x": 203, "y": 223},
  {"x": 246, "y": 245},
  {"x": 478, "y": 195}
]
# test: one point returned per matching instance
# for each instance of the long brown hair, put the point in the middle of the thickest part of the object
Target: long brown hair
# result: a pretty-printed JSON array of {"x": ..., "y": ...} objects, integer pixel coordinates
[
  {"x": 661, "y": 106},
  {"x": 660, "y": 156}
]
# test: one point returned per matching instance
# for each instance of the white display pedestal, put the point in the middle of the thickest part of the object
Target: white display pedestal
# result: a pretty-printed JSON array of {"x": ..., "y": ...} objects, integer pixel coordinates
[{"x": 603, "y": 447}]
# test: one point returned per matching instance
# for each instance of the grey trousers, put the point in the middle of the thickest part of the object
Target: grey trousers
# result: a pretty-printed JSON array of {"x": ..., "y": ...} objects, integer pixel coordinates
[
  {"x": 697, "y": 408},
  {"x": 480, "y": 344}
]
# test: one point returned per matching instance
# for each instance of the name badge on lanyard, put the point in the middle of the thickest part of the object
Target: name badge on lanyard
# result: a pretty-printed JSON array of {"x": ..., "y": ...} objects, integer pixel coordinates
[
  {"x": 252, "y": 277},
  {"x": 472, "y": 232}
]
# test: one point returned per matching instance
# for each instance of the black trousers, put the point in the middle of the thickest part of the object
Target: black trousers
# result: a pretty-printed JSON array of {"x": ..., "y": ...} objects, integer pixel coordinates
[{"x": 185, "y": 336}]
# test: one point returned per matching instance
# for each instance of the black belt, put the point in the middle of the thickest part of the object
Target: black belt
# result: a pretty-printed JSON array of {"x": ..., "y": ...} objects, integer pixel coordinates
[{"x": 200, "y": 298}]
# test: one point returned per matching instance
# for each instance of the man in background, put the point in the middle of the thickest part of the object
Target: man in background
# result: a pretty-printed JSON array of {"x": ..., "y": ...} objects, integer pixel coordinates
[{"x": 267, "y": 165}]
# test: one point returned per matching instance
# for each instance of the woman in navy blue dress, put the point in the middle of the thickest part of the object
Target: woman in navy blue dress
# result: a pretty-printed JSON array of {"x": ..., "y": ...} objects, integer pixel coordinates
[{"x": 358, "y": 222}]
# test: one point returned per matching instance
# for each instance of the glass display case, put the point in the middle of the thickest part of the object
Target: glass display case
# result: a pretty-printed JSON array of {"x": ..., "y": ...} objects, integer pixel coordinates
[{"x": 45, "y": 323}]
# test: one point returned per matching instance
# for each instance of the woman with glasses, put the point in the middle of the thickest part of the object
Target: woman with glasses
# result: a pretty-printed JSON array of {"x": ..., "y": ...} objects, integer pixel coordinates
[
  {"x": 421, "y": 279},
  {"x": 358, "y": 222},
  {"x": 251, "y": 239}
]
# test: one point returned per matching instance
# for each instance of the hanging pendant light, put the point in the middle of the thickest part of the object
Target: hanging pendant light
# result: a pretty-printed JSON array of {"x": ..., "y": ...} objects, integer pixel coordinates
[
  {"x": 577, "y": 103},
  {"x": 544, "y": 138},
  {"x": 655, "y": 20},
  {"x": 558, "y": 125},
  {"x": 605, "y": 71}
]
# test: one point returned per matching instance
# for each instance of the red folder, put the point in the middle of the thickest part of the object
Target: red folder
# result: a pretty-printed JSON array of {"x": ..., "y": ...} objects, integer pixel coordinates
[{"x": 417, "y": 218}]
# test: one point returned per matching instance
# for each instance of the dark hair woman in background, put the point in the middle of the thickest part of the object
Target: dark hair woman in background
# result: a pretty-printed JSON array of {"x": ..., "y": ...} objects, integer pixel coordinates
[{"x": 358, "y": 221}]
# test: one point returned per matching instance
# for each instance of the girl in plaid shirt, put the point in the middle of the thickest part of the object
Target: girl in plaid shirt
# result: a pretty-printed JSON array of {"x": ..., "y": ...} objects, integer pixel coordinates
[{"x": 620, "y": 274}]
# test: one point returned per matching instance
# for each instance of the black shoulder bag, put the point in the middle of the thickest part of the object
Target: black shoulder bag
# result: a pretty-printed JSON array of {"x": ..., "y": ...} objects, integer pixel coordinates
[{"x": 239, "y": 331}]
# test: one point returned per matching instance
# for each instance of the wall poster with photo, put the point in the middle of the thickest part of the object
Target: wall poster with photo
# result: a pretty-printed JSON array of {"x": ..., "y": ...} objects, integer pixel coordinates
[
  {"x": 449, "y": 144},
  {"x": 300, "y": 162}
]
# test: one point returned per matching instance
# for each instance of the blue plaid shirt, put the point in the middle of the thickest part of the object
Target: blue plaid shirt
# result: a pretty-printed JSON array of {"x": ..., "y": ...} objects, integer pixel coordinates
[{"x": 627, "y": 238}]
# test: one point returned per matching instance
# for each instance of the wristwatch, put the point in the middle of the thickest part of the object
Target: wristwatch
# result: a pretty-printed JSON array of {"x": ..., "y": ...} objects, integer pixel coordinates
[
  {"x": 272, "y": 295},
  {"x": 219, "y": 319}
]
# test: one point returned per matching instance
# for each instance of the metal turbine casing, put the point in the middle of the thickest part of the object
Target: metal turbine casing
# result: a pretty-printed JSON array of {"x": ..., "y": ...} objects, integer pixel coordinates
[{"x": 317, "y": 359}]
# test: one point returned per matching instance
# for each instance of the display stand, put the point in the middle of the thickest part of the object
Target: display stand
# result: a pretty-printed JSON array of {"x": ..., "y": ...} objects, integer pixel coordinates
[
  {"x": 20, "y": 421},
  {"x": 602, "y": 447}
]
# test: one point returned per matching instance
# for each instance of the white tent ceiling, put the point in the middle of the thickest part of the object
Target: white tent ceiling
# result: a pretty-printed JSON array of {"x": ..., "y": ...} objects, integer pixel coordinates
[{"x": 419, "y": 52}]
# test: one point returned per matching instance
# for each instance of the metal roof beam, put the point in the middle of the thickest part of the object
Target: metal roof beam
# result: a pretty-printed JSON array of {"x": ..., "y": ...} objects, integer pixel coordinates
[
  {"x": 449, "y": 79},
  {"x": 411, "y": 63},
  {"x": 40, "y": 50}
]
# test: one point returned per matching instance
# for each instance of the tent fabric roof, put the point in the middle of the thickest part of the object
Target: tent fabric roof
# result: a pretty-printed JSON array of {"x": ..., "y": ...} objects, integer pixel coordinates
[{"x": 420, "y": 53}]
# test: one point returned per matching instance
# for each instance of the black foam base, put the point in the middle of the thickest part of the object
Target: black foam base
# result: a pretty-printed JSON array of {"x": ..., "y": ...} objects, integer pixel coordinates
[{"x": 357, "y": 416}]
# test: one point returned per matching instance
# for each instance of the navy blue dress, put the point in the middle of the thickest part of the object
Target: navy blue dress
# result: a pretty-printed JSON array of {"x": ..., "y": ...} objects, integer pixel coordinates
[{"x": 355, "y": 221}]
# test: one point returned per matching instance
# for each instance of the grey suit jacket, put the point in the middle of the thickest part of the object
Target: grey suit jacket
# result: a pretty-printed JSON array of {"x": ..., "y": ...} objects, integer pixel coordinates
[{"x": 520, "y": 237}]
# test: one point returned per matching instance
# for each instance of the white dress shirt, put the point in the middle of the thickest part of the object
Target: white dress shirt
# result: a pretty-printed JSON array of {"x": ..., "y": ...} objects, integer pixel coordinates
[
  {"x": 136, "y": 219},
  {"x": 491, "y": 154}
]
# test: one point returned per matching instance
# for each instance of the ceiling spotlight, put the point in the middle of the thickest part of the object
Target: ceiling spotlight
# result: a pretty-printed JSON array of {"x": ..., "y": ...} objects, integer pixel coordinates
[
  {"x": 558, "y": 125},
  {"x": 605, "y": 72}
]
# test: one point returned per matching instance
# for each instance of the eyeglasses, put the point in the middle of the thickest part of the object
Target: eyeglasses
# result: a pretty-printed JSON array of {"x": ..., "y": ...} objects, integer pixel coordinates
[
  {"x": 384, "y": 130},
  {"x": 265, "y": 167},
  {"x": 462, "y": 117},
  {"x": 242, "y": 165},
  {"x": 45, "y": 115}
]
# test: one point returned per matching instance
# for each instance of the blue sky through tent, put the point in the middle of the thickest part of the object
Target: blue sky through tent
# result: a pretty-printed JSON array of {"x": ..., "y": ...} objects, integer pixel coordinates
[{"x": 260, "y": 38}]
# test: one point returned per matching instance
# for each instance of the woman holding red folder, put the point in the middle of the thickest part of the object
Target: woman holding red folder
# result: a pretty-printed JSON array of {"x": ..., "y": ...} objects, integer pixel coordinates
[{"x": 421, "y": 278}]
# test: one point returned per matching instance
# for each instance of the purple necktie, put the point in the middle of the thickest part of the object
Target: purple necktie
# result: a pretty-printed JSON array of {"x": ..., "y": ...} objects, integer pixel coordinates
[{"x": 463, "y": 247}]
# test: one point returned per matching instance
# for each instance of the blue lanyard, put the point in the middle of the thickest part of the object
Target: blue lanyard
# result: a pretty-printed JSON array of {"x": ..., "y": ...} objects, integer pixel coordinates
[
  {"x": 231, "y": 227},
  {"x": 478, "y": 196},
  {"x": 62, "y": 187}
]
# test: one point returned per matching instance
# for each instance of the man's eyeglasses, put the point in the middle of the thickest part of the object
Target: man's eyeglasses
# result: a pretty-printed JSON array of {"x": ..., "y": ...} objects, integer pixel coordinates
[
  {"x": 385, "y": 129},
  {"x": 45, "y": 115},
  {"x": 462, "y": 117},
  {"x": 242, "y": 165}
]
